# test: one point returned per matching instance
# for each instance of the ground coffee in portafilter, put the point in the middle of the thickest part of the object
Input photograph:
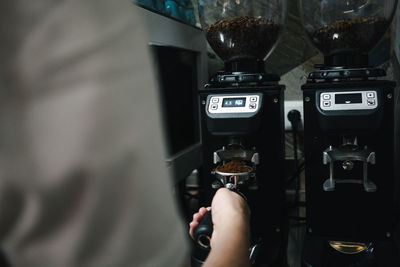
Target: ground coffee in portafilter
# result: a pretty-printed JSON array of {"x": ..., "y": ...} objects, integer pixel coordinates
[
  {"x": 242, "y": 37},
  {"x": 233, "y": 166},
  {"x": 357, "y": 33}
]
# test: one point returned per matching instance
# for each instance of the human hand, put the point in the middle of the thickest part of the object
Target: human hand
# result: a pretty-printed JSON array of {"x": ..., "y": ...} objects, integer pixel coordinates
[
  {"x": 231, "y": 230},
  {"x": 230, "y": 215},
  {"x": 197, "y": 217},
  {"x": 230, "y": 212}
]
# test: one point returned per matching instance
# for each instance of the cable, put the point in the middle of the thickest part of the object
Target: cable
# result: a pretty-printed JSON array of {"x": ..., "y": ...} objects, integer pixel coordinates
[
  {"x": 296, "y": 174},
  {"x": 294, "y": 117}
]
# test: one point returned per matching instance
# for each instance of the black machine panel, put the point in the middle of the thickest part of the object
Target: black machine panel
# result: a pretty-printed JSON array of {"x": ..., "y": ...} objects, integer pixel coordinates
[
  {"x": 350, "y": 210},
  {"x": 258, "y": 125}
]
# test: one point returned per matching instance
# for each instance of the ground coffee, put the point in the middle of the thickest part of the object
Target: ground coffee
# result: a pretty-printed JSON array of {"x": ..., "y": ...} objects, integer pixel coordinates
[
  {"x": 245, "y": 37},
  {"x": 233, "y": 166},
  {"x": 359, "y": 34}
]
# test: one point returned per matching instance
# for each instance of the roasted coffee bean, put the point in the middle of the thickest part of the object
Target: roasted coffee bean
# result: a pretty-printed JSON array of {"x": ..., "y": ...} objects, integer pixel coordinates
[
  {"x": 242, "y": 37},
  {"x": 357, "y": 34}
]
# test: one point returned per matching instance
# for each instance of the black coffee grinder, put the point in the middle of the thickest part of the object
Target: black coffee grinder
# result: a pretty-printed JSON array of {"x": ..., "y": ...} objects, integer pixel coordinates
[
  {"x": 242, "y": 122},
  {"x": 349, "y": 138}
]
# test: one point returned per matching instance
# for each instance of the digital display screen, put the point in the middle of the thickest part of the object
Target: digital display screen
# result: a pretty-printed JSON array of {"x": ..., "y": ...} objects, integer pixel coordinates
[
  {"x": 355, "y": 98},
  {"x": 234, "y": 102}
]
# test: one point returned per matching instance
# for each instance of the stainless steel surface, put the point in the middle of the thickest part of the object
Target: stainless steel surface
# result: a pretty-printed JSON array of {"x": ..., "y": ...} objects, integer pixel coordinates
[
  {"x": 235, "y": 151},
  {"x": 347, "y": 165},
  {"x": 177, "y": 34},
  {"x": 225, "y": 154},
  {"x": 231, "y": 177},
  {"x": 216, "y": 184},
  {"x": 204, "y": 241},
  {"x": 329, "y": 185},
  {"x": 252, "y": 254},
  {"x": 350, "y": 141},
  {"x": 173, "y": 33},
  {"x": 349, "y": 247},
  {"x": 347, "y": 155}
]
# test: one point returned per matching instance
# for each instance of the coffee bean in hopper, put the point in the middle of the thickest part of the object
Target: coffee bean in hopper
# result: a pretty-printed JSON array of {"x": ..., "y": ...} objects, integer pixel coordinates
[{"x": 243, "y": 37}]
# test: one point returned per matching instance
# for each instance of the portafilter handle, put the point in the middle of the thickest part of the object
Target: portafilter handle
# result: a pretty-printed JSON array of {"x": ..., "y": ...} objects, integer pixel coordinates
[{"x": 203, "y": 232}]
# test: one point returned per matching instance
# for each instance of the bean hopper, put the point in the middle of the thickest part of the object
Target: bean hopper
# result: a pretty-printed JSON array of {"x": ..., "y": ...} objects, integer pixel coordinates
[
  {"x": 242, "y": 120},
  {"x": 349, "y": 137}
]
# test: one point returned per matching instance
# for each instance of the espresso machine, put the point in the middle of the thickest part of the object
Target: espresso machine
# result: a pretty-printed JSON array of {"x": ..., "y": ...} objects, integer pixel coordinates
[
  {"x": 242, "y": 122},
  {"x": 349, "y": 138}
]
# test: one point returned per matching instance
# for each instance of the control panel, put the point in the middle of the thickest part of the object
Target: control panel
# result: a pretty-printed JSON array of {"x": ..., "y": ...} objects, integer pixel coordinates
[
  {"x": 233, "y": 104},
  {"x": 348, "y": 100},
  {"x": 240, "y": 105}
]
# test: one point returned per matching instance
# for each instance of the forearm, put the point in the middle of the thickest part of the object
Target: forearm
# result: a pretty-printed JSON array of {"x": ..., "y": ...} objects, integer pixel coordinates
[{"x": 231, "y": 247}]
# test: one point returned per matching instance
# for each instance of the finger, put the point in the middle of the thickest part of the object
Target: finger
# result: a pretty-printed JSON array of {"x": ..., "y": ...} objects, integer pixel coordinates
[
  {"x": 193, "y": 226},
  {"x": 199, "y": 217},
  {"x": 202, "y": 211}
]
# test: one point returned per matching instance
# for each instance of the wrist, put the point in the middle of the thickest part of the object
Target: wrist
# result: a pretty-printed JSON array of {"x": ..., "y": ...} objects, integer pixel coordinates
[
  {"x": 232, "y": 240},
  {"x": 233, "y": 232}
]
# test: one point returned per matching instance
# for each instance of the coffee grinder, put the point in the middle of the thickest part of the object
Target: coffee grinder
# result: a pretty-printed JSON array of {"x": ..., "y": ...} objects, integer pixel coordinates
[
  {"x": 242, "y": 121},
  {"x": 349, "y": 137}
]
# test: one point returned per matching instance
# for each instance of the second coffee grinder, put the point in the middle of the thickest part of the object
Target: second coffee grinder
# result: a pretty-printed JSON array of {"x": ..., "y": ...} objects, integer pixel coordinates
[
  {"x": 242, "y": 120},
  {"x": 349, "y": 138}
]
